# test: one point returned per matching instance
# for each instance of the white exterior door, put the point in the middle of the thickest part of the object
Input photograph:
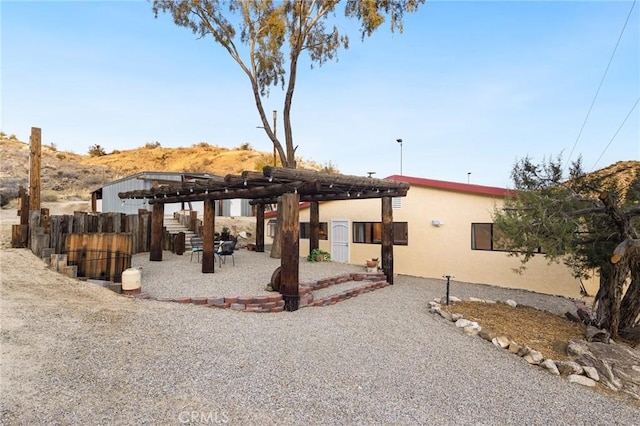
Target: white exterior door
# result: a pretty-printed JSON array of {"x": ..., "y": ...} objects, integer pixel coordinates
[{"x": 340, "y": 240}]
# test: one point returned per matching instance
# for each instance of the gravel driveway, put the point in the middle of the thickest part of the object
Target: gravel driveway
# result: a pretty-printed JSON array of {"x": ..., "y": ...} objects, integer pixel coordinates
[{"x": 74, "y": 353}]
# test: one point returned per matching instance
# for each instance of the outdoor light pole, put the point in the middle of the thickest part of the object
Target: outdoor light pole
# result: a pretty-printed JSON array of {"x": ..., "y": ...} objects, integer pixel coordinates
[
  {"x": 400, "y": 142},
  {"x": 275, "y": 115}
]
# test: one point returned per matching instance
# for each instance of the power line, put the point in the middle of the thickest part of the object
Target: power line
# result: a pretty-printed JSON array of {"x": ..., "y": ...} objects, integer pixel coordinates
[
  {"x": 584, "y": 123},
  {"x": 616, "y": 134}
]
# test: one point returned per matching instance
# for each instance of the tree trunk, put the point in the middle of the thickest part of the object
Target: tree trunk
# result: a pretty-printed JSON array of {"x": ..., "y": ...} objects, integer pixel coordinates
[
  {"x": 276, "y": 247},
  {"x": 630, "y": 306}
]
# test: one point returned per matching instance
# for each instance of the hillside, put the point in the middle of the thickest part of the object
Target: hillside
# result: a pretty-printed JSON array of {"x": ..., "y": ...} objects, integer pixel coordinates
[{"x": 69, "y": 176}]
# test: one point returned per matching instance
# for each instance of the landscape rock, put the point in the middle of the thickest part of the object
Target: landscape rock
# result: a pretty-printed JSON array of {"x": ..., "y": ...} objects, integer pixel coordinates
[
  {"x": 582, "y": 380},
  {"x": 614, "y": 363},
  {"x": 511, "y": 303},
  {"x": 501, "y": 341},
  {"x": 456, "y": 317},
  {"x": 591, "y": 373},
  {"x": 550, "y": 366},
  {"x": 594, "y": 334},
  {"x": 487, "y": 334},
  {"x": 566, "y": 368},
  {"x": 446, "y": 315},
  {"x": 533, "y": 357},
  {"x": 472, "y": 329},
  {"x": 514, "y": 348},
  {"x": 461, "y": 323}
]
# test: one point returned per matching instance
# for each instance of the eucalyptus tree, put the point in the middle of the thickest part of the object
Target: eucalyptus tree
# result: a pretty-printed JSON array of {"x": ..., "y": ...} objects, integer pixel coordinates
[{"x": 588, "y": 221}]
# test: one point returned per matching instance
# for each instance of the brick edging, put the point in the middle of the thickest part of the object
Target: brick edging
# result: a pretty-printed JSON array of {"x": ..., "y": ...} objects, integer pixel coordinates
[{"x": 274, "y": 302}]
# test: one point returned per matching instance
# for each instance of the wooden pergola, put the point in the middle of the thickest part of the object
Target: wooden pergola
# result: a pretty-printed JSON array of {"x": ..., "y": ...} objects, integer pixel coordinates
[{"x": 291, "y": 186}]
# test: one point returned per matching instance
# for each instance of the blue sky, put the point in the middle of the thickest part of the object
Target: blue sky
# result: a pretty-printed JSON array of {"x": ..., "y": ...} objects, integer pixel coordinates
[{"x": 468, "y": 87}]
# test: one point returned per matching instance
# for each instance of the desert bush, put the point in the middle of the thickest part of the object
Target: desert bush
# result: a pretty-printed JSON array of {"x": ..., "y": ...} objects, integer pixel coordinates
[
  {"x": 13, "y": 137},
  {"x": 116, "y": 151},
  {"x": 49, "y": 196},
  {"x": 3, "y": 135},
  {"x": 60, "y": 156},
  {"x": 201, "y": 145},
  {"x": 152, "y": 145},
  {"x": 96, "y": 151},
  {"x": 7, "y": 195},
  {"x": 245, "y": 147}
]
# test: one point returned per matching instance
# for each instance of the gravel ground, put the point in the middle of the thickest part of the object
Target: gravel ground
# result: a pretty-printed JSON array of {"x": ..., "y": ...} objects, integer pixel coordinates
[
  {"x": 181, "y": 276},
  {"x": 74, "y": 353}
]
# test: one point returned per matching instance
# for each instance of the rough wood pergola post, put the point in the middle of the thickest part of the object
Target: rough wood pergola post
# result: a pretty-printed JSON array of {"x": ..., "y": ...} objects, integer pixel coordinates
[
  {"x": 35, "y": 158},
  {"x": 260, "y": 228},
  {"x": 290, "y": 259},
  {"x": 157, "y": 232},
  {"x": 314, "y": 226},
  {"x": 208, "y": 246},
  {"x": 387, "y": 238}
]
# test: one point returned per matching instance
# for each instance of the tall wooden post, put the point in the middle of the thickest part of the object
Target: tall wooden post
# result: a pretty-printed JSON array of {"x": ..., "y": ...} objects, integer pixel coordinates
[
  {"x": 208, "y": 226},
  {"x": 35, "y": 155},
  {"x": 290, "y": 259},
  {"x": 387, "y": 238},
  {"x": 94, "y": 201},
  {"x": 314, "y": 226},
  {"x": 157, "y": 232},
  {"x": 260, "y": 228}
]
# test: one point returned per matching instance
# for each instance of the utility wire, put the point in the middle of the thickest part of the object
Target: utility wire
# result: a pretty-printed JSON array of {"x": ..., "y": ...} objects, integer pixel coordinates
[
  {"x": 584, "y": 123},
  {"x": 616, "y": 134}
]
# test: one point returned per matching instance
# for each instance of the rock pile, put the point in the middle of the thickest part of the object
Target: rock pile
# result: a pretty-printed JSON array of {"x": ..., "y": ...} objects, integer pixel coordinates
[{"x": 613, "y": 365}]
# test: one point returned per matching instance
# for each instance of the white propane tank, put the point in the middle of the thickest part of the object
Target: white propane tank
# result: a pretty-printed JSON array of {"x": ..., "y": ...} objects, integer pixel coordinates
[{"x": 131, "y": 281}]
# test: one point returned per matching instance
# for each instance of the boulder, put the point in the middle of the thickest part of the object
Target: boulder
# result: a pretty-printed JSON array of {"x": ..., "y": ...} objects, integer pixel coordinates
[
  {"x": 514, "y": 348},
  {"x": 446, "y": 315},
  {"x": 594, "y": 334},
  {"x": 533, "y": 357},
  {"x": 616, "y": 364},
  {"x": 462, "y": 323},
  {"x": 501, "y": 341},
  {"x": 581, "y": 380},
  {"x": 591, "y": 373},
  {"x": 567, "y": 368},
  {"x": 550, "y": 366},
  {"x": 487, "y": 334}
]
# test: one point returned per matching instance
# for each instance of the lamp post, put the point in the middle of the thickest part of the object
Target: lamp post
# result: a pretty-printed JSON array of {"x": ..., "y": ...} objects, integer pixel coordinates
[
  {"x": 400, "y": 142},
  {"x": 275, "y": 115}
]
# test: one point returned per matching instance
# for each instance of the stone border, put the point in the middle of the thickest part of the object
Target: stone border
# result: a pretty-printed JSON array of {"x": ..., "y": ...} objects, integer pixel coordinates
[
  {"x": 274, "y": 302},
  {"x": 576, "y": 373}
]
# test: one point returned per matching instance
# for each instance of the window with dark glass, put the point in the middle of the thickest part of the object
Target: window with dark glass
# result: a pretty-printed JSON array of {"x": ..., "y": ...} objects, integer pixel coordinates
[
  {"x": 305, "y": 230},
  {"x": 371, "y": 233}
]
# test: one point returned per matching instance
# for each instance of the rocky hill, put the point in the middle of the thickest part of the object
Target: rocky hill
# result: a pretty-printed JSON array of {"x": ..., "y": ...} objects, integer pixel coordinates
[{"x": 69, "y": 176}]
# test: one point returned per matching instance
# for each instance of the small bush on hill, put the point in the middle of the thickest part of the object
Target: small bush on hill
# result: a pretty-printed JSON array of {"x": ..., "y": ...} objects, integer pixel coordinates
[{"x": 96, "y": 151}]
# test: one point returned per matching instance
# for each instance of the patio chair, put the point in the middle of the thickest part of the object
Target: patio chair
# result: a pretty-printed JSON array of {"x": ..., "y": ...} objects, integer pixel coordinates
[
  {"x": 225, "y": 249},
  {"x": 196, "y": 247}
]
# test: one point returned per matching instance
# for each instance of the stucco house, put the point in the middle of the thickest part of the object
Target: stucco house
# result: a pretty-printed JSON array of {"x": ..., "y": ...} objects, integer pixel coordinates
[{"x": 440, "y": 228}]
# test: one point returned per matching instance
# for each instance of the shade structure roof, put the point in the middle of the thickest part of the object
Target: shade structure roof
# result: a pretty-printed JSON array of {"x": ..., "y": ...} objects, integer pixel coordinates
[{"x": 266, "y": 187}]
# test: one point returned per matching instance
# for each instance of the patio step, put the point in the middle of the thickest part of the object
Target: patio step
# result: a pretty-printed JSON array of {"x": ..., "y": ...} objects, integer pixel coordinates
[
  {"x": 330, "y": 291},
  {"x": 174, "y": 227}
]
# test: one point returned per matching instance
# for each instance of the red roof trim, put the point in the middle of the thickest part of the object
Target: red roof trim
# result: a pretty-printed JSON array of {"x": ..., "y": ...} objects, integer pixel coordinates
[
  {"x": 453, "y": 186},
  {"x": 437, "y": 184}
]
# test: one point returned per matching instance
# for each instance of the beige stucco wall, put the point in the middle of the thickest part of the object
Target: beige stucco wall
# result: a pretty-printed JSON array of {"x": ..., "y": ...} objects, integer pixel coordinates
[{"x": 446, "y": 250}]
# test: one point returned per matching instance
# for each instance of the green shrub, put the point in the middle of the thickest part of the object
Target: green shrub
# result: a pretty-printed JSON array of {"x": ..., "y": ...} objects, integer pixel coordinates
[{"x": 318, "y": 252}]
